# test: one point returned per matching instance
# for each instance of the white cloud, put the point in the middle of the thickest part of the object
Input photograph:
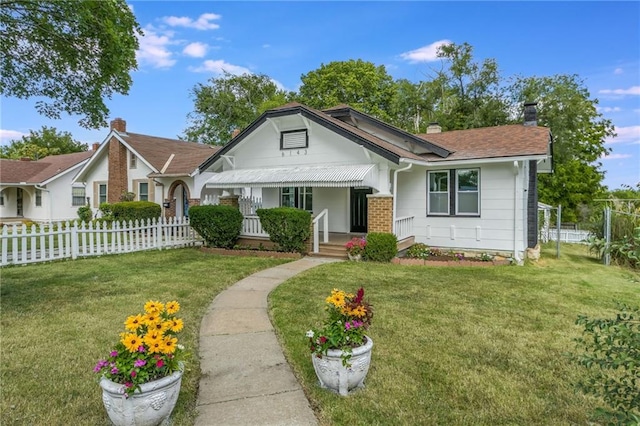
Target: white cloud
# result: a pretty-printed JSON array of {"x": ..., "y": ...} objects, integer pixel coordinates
[
  {"x": 9, "y": 135},
  {"x": 219, "y": 66},
  {"x": 195, "y": 50},
  {"x": 202, "y": 23},
  {"x": 629, "y": 134},
  {"x": 609, "y": 109},
  {"x": 153, "y": 49},
  {"x": 616, "y": 156},
  {"x": 425, "y": 53},
  {"x": 618, "y": 71},
  {"x": 633, "y": 90}
]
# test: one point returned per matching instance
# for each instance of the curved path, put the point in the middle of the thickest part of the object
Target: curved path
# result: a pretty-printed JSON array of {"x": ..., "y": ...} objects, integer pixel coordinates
[{"x": 245, "y": 377}]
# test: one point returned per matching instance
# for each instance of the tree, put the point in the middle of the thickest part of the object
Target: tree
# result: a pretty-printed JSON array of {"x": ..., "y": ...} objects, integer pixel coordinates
[
  {"x": 360, "y": 84},
  {"x": 42, "y": 143},
  {"x": 228, "y": 103},
  {"x": 579, "y": 132},
  {"x": 73, "y": 52}
]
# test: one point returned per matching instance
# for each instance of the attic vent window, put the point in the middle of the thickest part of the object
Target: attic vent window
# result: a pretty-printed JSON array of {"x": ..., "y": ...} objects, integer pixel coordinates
[{"x": 294, "y": 139}]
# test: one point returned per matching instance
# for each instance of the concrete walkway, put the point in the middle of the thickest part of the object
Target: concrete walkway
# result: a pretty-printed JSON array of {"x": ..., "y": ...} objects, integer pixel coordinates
[{"x": 245, "y": 377}]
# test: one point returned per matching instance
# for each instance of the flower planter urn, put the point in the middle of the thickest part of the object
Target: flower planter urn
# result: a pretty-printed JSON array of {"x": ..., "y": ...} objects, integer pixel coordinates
[
  {"x": 355, "y": 257},
  {"x": 338, "y": 378},
  {"x": 150, "y": 406}
]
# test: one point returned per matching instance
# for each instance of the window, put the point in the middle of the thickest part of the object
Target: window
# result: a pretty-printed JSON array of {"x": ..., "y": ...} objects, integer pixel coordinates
[
  {"x": 438, "y": 201},
  {"x": 294, "y": 139},
  {"x": 300, "y": 198},
  {"x": 133, "y": 161},
  {"x": 1, "y": 198},
  {"x": 467, "y": 193},
  {"x": 460, "y": 199},
  {"x": 143, "y": 191},
  {"x": 38, "y": 198},
  {"x": 102, "y": 193},
  {"x": 77, "y": 196}
]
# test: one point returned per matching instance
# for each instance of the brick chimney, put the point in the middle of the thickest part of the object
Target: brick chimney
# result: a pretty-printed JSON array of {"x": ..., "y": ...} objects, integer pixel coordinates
[
  {"x": 119, "y": 125},
  {"x": 118, "y": 170},
  {"x": 95, "y": 146},
  {"x": 530, "y": 114},
  {"x": 434, "y": 128},
  {"x": 235, "y": 133}
]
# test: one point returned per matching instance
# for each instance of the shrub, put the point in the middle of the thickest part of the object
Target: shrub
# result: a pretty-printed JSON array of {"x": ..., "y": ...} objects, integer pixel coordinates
[
  {"x": 612, "y": 356},
  {"x": 127, "y": 196},
  {"x": 105, "y": 209},
  {"x": 288, "y": 227},
  {"x": 220, "y": 226},
  {"x": 135, "y": 210},
  {"x": 419, "y": 251},
  {"x": 85, "y": 213},
  {"x": 381, "y": 247}
]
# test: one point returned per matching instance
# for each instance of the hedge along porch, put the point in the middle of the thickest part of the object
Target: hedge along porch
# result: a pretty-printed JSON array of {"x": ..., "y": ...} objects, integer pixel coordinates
[{"x": 464, "y": 190}]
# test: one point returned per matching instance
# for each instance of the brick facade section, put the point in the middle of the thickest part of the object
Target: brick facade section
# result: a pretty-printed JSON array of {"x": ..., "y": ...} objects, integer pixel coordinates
[
  {"x": 309, "y": 242},
  {"x": 379, "y": 213},
  {"x": 118, "y": 171},
  {"x": 230, "y": 200},
  {"x": 171, "y": 210}
]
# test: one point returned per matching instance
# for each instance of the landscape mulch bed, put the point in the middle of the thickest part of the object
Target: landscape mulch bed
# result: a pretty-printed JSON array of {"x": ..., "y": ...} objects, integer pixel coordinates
[
  {"x": 251, "y": 253},
  {"x": 448, "y": 261}
]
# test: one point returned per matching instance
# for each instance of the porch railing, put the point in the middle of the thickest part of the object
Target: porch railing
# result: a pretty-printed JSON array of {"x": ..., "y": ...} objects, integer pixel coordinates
[
  {"x": 324, "y": 215},
  {"x": 251, "y": 227},
  {"x": 403, "y": 227}
]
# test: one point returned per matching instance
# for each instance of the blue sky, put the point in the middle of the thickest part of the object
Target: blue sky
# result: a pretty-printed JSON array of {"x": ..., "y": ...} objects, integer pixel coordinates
[{"x": 188, "y": 42}]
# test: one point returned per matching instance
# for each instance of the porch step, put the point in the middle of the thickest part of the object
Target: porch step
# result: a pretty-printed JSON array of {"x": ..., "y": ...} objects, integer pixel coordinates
[{"x": 331, "y": 250}]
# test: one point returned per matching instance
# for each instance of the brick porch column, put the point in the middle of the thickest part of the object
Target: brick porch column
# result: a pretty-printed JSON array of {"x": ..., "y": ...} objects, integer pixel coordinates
[
  {"x": 380, "y": 213},
  {"x": 230, "y": 200}
]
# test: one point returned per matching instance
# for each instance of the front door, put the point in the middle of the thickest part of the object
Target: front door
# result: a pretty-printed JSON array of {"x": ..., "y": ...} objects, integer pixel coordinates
[
  {"x": 359, "y": 209},
  {"x": 19, "y": 211}
]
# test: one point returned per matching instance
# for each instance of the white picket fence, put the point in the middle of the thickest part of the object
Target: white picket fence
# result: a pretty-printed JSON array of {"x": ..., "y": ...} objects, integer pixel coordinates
[
  {"x": 566, "y": 235},
  {"x": 23, "y": 244}
]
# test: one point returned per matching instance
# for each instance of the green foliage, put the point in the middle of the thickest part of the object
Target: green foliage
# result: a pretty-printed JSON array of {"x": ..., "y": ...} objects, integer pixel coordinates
[
  {"x": 135, "y": 210},
  {"x": 219, "y": 225},
  {"x": 288, "y": 227},
  {"x": 228, "y": 103},
  {"x": 41, "y": 143},
  {"x": 76, "y": 53},
  {"x": 612, "y": 356},
  {"x": 107, "y": 212},
  {"x": 85, "y": 214},
  {"x": 381, "y": 247},
  {"x": 127, "y": 196},
  {"x": 419, "y": 251},
  {"x": 362, "y": 85}
]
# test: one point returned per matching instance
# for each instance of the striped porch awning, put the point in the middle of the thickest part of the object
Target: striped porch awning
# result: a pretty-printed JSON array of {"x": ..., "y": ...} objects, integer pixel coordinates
[{"x": 342, "y": 176}]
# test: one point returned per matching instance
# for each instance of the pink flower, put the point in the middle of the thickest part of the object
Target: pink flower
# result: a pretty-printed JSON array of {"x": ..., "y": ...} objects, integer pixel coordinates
[
  {"x": 141, "y": 348},
  {"x": 133, "y": 373},
  {"x": 114, "y": 370},
  {"x": 113, "y": 353},
  {"x": 128, "y": 385},
  {"x": 323, "y": 340},
  {"x": 160, "y": 363},
  {"x": 347, "y": 325},
  {"x": 139, "y": 363}
]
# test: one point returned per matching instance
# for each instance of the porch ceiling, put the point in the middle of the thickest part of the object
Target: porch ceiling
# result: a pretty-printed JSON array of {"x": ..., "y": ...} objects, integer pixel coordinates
[{"x": 317, "y": 176}]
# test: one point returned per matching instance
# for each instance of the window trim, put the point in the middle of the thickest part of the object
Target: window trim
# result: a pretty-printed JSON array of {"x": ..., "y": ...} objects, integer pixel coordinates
[
  {"x": 140, "y": 191},
  {"x": 133, "y": 161},
  {"x": 453, "y": 193},
  {"x": 38, "y": 197},
  {"x": 74, "y": 198},
  {"x": 298, "y": 195},
  {"x": 429, "y": 213},
  {"x": 457, "y": 192},
  {"x": 306, "y": 139},
  {"x": 106, "y": 193}
]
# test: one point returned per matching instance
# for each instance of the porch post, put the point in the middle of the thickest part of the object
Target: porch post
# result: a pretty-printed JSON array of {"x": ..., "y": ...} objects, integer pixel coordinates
[
  {"x": 380, "y": 213},
  {"x": 230, "y": 200}
]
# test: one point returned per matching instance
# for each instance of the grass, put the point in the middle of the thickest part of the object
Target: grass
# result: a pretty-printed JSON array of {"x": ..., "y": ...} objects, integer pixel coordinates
[
  {"x": 58, "y": 319},
  {"x": 473, "y": 346}
]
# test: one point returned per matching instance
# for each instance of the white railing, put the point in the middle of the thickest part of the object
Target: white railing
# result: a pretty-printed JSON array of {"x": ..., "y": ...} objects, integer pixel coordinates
[
  {"x": 251, "y": 227},
  {"x": 249, "y": 205},
  {"x": 403, "y": 227},
  {"x": 22, "y": 244},
  {"x": 324, "y": 215},
  {"x": 566, "y": 235},
  {"x": 210, "y": 199}
]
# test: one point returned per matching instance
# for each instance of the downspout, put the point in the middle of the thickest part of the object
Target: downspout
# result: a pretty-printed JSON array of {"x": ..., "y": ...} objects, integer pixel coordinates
[
  {"x": 50, "y": 202},
  {"x": 515, "y": 212},
  {"x": 162, "y": 185},
  {"x": 395, "y": 195}
]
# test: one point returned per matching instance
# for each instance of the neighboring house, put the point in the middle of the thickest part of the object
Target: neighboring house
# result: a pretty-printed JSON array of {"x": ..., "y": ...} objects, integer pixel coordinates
[
  {"x": 152, "y": 168},
  {"x": 466, "y": 190},
  {"x": 41, "y": 190}
]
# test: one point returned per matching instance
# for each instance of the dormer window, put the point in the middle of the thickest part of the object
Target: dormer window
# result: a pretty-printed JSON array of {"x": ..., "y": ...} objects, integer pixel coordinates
[
  {"x": 294, "y": 139},
  {"x": 133, "y": 162}
]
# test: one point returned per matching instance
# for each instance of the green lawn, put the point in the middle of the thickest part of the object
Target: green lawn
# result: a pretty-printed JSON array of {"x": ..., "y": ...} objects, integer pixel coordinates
[
  {"x": 459, "y": 346},
  {"x": 58, "y": 319}
]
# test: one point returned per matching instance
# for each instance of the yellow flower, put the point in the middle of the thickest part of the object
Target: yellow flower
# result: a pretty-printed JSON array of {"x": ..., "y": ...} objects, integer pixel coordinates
[
  {"x": 153, "y": 307},
  {"x": 359, "y": 311},
  {"x": 176, "y": 325},
  {"x": 133, "y": 322},
  {"x": 337, "y": 298},
  {"x": 160, "y": 326},
  {"x": 150, "y": 319},
  {"x": 172, "y": 307},
  {"x": 132, "y": 342},
  {"x": 169, "y": 344},
  {"x": 152, "y": 337},
  {"x": 156, "y": 346}
]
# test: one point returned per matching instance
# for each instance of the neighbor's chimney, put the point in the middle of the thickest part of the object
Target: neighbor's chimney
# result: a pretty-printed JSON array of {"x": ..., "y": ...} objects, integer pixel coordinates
[
  {"x": 235, "y": 133},
  {"x": 119, "y": 125},
  {"x": 530, "y": 114},
  {"x": 95, "y": 146},
  {"x": 434, "y": 128}
]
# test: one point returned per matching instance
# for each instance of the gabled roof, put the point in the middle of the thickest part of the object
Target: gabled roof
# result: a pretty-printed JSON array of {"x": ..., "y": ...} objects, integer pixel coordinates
[
  {"x": 513, "y": 140},
  {"x": 40, "y": 171},
  {"x": 473, "y": 144}
]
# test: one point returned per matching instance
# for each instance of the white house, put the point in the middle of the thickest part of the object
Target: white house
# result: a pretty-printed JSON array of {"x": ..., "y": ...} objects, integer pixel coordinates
[
  {"x": 41, "y": 191},
  {"x": 152, "y": 168},
  {"x": 466, "y": 190}
]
